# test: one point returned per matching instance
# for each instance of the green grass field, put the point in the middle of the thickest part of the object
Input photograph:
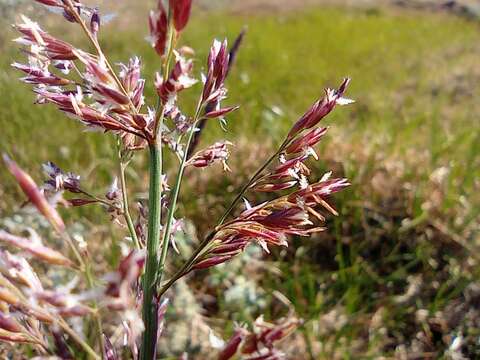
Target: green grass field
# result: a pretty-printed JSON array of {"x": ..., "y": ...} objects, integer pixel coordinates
[{"x": 410, "y": 145}]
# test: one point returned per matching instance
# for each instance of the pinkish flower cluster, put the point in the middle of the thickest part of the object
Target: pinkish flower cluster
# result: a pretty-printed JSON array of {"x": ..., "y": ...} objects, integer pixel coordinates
[
  {"x": 320, "y": 109},
  {"x": 35, "y": 195},
  {"x": 217, "y": 152},
  {"x": 41, "y": 46},
  {"x": 59, "y": 180},
  {"x": 178, "y": 80},
  {"x": 296, "y": 213},
  {"x": 120, "y": 284},
  {"x": 26, "y": 306},
  {"x": 214, "y": 90},
  {"x": 270, "y": 223},
  {"x": 299, "y": 144},
  {"x": 213, "y": 93},
  {"x": 25, "y": 302},
  {"x": 259, "y": 343},
  {"x": 158, "y": 24},
  {"x": 181, "y": 13},
  {"x": 101, "y": 99}
]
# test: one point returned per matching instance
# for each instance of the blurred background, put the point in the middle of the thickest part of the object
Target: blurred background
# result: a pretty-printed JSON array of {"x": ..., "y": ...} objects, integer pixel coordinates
[{"x": 396, "y": 274}]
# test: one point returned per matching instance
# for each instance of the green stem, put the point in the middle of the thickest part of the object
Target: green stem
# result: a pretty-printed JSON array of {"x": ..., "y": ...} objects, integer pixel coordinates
[
  {"x": 96, "y": 198},
  {"x": 173, "y": 205},
  {"x": 150, "y": 277},
  {"x": 126, "y": 211}
]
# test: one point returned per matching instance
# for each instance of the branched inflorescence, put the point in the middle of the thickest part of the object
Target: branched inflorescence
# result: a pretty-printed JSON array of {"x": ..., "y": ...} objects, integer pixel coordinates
[{"x": 84, "y": 85}]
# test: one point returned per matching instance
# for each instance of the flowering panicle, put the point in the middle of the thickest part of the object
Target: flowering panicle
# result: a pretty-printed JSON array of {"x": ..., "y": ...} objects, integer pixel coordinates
[
  {"x": 293, "y": 214},
  {"x": 266, "y": 224},
  {"x": 213, "y": 92},
  {"x": 259, "y": 343},
  {"x": 209, "y": 109},
  {"x": 298, "y": 146},
  {"x": 23, "y": 297}
]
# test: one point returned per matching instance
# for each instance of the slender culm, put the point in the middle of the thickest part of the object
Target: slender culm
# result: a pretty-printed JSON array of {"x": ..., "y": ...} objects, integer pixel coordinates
[{"x": 151, "y": 266}]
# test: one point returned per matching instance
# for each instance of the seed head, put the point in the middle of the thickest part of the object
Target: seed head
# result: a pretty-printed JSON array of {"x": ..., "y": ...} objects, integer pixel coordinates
[
  {"x": 95, "y": 22},
  {"x": 59, "y": 180},
  {"x": 16, "y": 268},
  {"x": 35, "y": 247},
  {"x": 9, "y": 323},
  {"x": 181, "y": 12},
  {"x": 179, "y": 79},
  {"x": 158, "y": 24},
  {"x": 217, "y": 152},
  {"x": 34, "y": 194},
  {"x": 43, "y": 44},
  {"x": 213, "y": 88},
  {"x": 321, "y": 108},
  {"x": 260, "y": 341},
  {"x": 109, "y": 352}
]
